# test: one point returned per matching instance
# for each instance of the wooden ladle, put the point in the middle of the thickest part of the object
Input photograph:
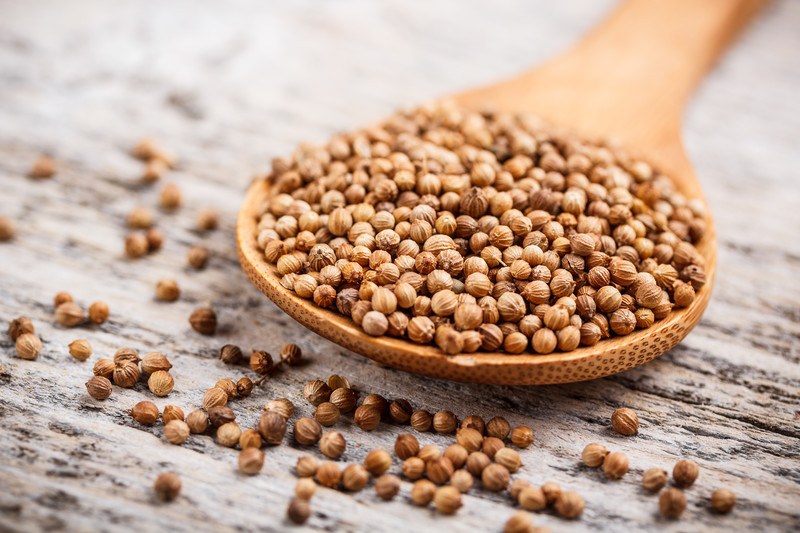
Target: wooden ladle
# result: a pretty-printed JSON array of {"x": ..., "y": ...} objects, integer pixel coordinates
[{"x": 629, "y": 80}]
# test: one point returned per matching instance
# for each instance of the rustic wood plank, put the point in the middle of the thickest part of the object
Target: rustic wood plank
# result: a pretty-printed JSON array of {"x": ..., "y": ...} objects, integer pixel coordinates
[{"x": 226, "y": 89}]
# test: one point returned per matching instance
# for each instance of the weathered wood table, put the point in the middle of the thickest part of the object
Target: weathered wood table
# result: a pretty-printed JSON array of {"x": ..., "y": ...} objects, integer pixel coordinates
[{"x": 226, "y": 87}]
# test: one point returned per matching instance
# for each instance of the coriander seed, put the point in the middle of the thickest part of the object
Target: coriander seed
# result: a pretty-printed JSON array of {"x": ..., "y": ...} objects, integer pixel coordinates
[
  {"x": 685, "y": 473},
  {"x": 421, "y": 420},
  {"x": 723, "y": 501},
  {"x": 317, "y": 392},
  {"x": 439, "y": 470},
  {"x": 491, "y": 445},
  {"x": 282, "y": 406},
  {"x": 519, "y": 522},
  {"x": 327, "y": 414},
  {"x": 261, "y": 362},
  {"x": 204, "y": 320},
  {"x": 422, "y": 492},
  {"x": 272, "y": 427},
  {"x": 213, "y": 396},
  {"x": 98, "y": 387},
  {"x": 406, "y": 445},
  {"x": 136, "y": 245},
  {"x": 299, "y": 511},
  {"x": 522, "y": 436},
  {"x": 355, "y": 477},
  {"x": 672, "y": 503},
  {"x": 366, "y": 417},
  {"x": 387, "y": 486},
  {"x": 43, "y": 167},
  {"x": 126, "y": 374},
  {"x": 197, "y": 421},
  {"x": 20, "y": 326},
  {"x": 160, "y": 383},
  {"x": 230, "y": 354},
  {"x": 345, "y": 399},
  {"x": 498, "y": 427},
  {"x": 197, "y": 257},
  {"x": 400, "y": 411},
  {"x": 305, "y": 488},
  {"x": 470, "y": 439},
  {"x": 615, "y": 465},
  {"x": 306, "y": 466},
  {"x": 167, "y": 290},
  {"x": 228, "y": 434},
  {"x": 207, "y": 220},
  {"x": 251, "y": 461},
  {"x": 104, "y": 368},
  {"x": 167, "y": 486},
  {"x": 552, "y": 491},
  {"x": 28, "y": 346},
  {"x": 447, "y": 500},
  {"x": 477, "y": 463},
  {"x": 508, "y": 458},
  {"x": 155, "y": 361},
  {"x": 219, "y": 415},
  {"x": 69, "y": 315},
  {"x": 462, "y": 480},
  {"x": 250, "y": 438},
  {"x": 80, "y": 349},
  {"x": 445, "y": 422},
  {"x": 7, "y": 229},
  {"x": 176, "y": 431},
  {"x": 495, "y": 477},
  {"x": 413, "y": 468},
  {"x": 332, "y": 444},
  {"x": 170, "y": 197},
  {"x": 172, "y": 412},
  {"x": 145, "y": 412},
  {"x": 569, "y": 505},
  {"x": 594, "y": 454},
  {"x": 328, "y": 475},
  {"x": 307, "y": 431},
  {"x": 654, "y": 479},
  {"x": 532, "y": 498},
  {"x": 98, "y": 312},
  {"x": 291, "y": 354},
  {"x": 625, "y": 422},
  {"x": 377, "y": 462}
]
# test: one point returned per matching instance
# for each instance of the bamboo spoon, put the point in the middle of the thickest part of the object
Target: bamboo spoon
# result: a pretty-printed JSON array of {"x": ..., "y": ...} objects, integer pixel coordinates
[{"x": 628, "y": 80}]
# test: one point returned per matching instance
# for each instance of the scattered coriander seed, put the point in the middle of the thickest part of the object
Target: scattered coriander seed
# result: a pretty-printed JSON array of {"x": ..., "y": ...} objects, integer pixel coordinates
[
  {"x": 508, "y": 458},
  {"x": 145, "y": 412},
  {"x": 457, "y": 455},
  {"x": 439, "y": 470},
  {"x": 43, "y": 167},
  {"x": 377, "y": 462},
  {"x": 378, "y": 402},
  {"x": 299, "y": 511},
  {"x": 429, "y": 452},
  {"x": 305, "y": 488},
  {"x": 250, "y": 438},
  {"x": 387, "y": 486},
  {"x": 445, "y": 422},
  {"x": 126, "y": 374},
  {"x": 172, "y": 412},
  {"x": 7, "y": 229},
  {"x": 228, "y": 434},
  {"x": 491, "y": 445},
  {"x": 413, "y": 468},
  {"x": 495, "y": 477},
  {"x": 447, "y": 500},
  {"x": 306, "y": 466},
  {"x": 345, "y": 399},
  {"x": 336, "y": 381},
  {"x": 20, "y": 326},
  {"x": 552, "y": 491},
  {"x": 214, "y": 396},
  {"x": 146, "y": 149},
  {"x": 522, "y": 436},
  {"x": 594, "y": 454},
  {"x": 251, "y": 461},
  {"x": 170, "y": 197},
  {"x": 261, "y": 362},
  {"x": 332, "y": 444},
  {"x": 672, "y": 503},
  {"x": 126, "y": 354},
  {"x": 498, "y": 427},
  {"x": 327, "y": 414},
  {"x": 685, "y": 473},
  {"x": 230, "y": 354},
  {"x": 167, "y": 486},
  {"x": 532, "y": 498},
  {"x": 569, "y": 505},
  {"x": 244, "y": 387},
  {"x": 328, "y": 474},
  {"x": 80, "y": 349},
  {"x": 98, "y": 312},
  {"x": 204, "y": 320},
  {"x": 477, "y": 463},
  {"x": 104, "y": 368},
  {"x": 61, "y": 297},
  {"x": 167, "y": 290},
  {"x": 155, "y": 361},
  {"x": 317, "y": 392},
  {"x": 197, "y": 421},
  {"x": 615, "y": 465},
  {"x": 98, "y": 387},
  {"x": 155, "y": 239},
  {"x": 228, "y": 386},
  {"x": 282, "y": 406},
  {"x": 140, "y": 218},
  {"x": 176, "y": 431},
  {"x": 136, "y": 245},
  {"x": 355, "y": 477},
  {"x": 160, "y": 383},
  {"x": 367, "y": 417},
  {"x": 307, "y": 431},
  {"x": 69, "y": 315},
  {"x": 197, "y": 257},
  {"x": 207, "y": 220},
  {"x": 625, "y": 422},
  {"x": 723, "y": 500},
  {"x": 406, "y": 445},
  {"x": 475, "y": 422},
  {"x": 519, "y": 522},
  {"x": 462, "y": 480},
  {"x": 654, "y": 479},
  {"x": 470, "y": 439},
  {"x": 272, "y": 427},
  {"x": 219, "y": 415},
  {"x": 421, "y": 420},
  {"x": 28, "y": 346},
  {"x": 516, "y": 486},
  {"x": 422, "y": 492},
  {"x": 291, "y": 354},
  {"x": 400, "y": 411}
]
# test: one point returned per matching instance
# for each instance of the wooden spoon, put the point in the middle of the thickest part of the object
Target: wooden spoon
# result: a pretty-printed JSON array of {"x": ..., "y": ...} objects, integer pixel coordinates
[{"x": 628, "y": 80}]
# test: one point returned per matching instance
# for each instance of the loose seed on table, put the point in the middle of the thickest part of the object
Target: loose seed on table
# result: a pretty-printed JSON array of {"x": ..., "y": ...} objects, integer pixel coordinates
[
  {"x": 204, "y": 320},
  {"x": 447, "y": 500},
  {"x": 519, "y": 522},
  {"x": 625, "y": 422},
  {"x": 594, "y": 454},
  {"x": 387, "y": 486},
  {"x": 197, "y": 257},
  {"x": 615, "y": 465},
  {"x": 145, "y": 412},
  {"x": 723, "y": 500},
  {"x": 251, "y": 461},
  {"x": 299, "y": 511},
  {"x": 569, "y": 505},
  {"x": 98, "y": 387},
  {"x": 328, "y": 475},
  {"x": 176, "y": 431},
  {"x": 305, "y": 488},
  {"x": 654, "y": 479},
  {"x": 172, "y": 412},
  {"x": 306, "y": 466},
  {"x": 685, "y": 473},
  {"x": 377, "y": 462},
  {"x": 20, "y": 326},
  {"x": 167, "y": 290},
  {"x": 7, "y": 229},
  {"x": 167, "y": 486},
  {"x": 98, "y": 312},
  {"x": 43, "y": 167},
  {"x": 355, "y": 477},
  {"x": 28, "y": 346},
  {"x": 672, "y": 503},
  {"x": 69, "y": 315}
]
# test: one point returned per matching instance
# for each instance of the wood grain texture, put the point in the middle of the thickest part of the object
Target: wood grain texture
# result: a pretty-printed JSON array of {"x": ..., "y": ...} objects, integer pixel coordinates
[{"x": 225, "y": 89}]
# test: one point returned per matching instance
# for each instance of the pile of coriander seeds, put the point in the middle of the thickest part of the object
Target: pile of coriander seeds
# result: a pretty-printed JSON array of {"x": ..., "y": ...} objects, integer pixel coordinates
[{"x": 481, "y": 232}]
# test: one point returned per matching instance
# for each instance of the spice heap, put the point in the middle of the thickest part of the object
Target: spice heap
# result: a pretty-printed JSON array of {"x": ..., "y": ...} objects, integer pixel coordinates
[{"x": 482, "y": 232}]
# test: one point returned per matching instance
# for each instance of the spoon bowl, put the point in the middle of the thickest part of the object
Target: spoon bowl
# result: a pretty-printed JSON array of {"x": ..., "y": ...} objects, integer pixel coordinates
[{"x": 627, "y": 80}]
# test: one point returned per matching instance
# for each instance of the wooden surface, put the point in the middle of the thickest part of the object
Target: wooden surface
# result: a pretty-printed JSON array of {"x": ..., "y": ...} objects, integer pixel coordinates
[{"x": 225, "y": 89}]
